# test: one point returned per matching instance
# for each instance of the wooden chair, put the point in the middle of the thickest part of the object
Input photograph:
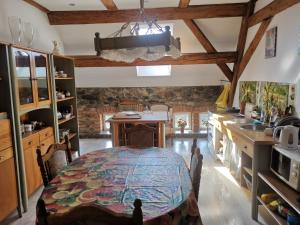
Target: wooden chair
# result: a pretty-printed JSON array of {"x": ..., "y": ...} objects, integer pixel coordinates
[
  {"x": 196, "y": 169},
  {"x": 194, "y": 146},
  {"x": 53, "y": 161},
  {"x": 89, "y": 215},
  {"x": 139, "y": 136},
  {"x": 129, "y": 105}
]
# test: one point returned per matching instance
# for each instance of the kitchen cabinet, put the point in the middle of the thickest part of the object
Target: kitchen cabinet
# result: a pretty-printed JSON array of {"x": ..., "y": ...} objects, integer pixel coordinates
[
  {"x": 43, "y": 138},
  {"x": 32, "y": 79},
  {"x": 8, "y": 185}
]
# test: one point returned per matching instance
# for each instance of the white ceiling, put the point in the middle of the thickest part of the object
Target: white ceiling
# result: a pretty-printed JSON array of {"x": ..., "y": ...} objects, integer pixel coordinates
[{"x": 63, "y": 5}]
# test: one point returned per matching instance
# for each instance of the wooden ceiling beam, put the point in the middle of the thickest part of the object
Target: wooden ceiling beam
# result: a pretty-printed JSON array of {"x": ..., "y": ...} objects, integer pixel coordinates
[
  {"x": 37, "y": 5},
  {"x": 271, "y": 10},
  {"x": 169, "y": 13},
  {"x": 184, "y": 3},
  {"x": 184, "y": 59},
  {"x": 208, "y": 46},
  {"x": 110, "y": 5},
  {"x": 240, "y": 49},
  {"x": 253, "y": 45}
]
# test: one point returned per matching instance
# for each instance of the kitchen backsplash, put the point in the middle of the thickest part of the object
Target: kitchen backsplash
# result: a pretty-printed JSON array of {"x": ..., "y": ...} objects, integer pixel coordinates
[{"x": 268, "y": 94}]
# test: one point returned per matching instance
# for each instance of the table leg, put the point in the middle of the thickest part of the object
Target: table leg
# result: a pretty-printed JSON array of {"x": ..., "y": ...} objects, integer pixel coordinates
[
  {"x": 115, "y": 135},
  {"x": 161, "y": 135}
]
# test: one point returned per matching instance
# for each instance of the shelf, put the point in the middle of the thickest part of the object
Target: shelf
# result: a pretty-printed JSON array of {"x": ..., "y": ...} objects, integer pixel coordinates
[
  {"x": 220, "y": 157},
  {"x": 276, "y": 217},
  {"x": 71, "y": 135},
  {"x": 65, "y": 120},
  {"x": 248, "y": 170},
  {"x": 64, "y": 78},
  {"x": 283, "y": 190},
  {"x": 64, "y": 99}
]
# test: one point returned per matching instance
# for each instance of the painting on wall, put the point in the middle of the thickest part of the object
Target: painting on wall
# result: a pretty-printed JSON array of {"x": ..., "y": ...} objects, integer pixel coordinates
[
  {"x": 248, "y": 91},
  {"x": 271, "y": 43}
]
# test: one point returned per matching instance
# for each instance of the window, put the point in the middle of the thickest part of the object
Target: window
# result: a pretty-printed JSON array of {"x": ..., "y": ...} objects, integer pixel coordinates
[
  {"x": 186, "y": 116},
  {"x": 203, "y": 120},
  {"x": 153, "y": 71},
  {"x": 106, "y": 125}
]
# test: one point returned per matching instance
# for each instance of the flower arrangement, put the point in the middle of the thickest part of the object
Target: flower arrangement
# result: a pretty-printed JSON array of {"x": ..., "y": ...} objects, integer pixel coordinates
[{"x": 181, "y": 123}]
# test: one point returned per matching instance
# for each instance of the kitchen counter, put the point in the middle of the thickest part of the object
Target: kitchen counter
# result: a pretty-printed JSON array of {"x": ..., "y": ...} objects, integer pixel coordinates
[{"x": 230, "y": 123}]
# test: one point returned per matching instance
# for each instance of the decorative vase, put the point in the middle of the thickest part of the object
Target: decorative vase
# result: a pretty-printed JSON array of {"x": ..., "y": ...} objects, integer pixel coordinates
[
  {"x": 242, "y": 107},
  {"x": 182, "y": 130},
  {"x": 15, "y": 27},
  {"x": 28, "y": 33},
  {"x": 56, "y": 48}
]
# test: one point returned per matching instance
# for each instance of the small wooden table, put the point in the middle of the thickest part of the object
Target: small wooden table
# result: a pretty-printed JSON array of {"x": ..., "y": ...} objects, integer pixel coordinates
[{"x": 156, "y": 119}]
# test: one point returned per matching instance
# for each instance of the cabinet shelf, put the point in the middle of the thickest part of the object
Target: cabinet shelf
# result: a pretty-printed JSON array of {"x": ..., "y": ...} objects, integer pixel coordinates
[
  {"x": 64, "y": 78},
  {"x": 283, "y": 190},
  {"x": 71, "y": 136},
  {"x": 248, "y": 170},
  {"x": 62, "y": 121},
  {"x": 65, "y": 99},
  {"x": 276, "y": 217}
]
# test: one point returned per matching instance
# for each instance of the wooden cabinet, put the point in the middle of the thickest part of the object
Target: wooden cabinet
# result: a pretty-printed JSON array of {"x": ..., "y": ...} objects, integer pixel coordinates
[
  {"x": 8, "y": 185},
  {"x": 32, "y": 79},
  {"x": 44, "y": 139}
]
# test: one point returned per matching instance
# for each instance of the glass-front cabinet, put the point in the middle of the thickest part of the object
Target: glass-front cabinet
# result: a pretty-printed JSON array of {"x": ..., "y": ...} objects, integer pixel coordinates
[
  {"x": 32, "y": 79},
  {"x": 41, "y": 77}
]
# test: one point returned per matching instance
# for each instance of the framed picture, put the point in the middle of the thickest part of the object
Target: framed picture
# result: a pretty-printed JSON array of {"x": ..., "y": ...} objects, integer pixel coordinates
[{"x": 271, "y": 43}]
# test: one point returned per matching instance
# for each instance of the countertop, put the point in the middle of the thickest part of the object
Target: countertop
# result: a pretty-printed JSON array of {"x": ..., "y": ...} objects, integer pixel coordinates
[{"x": 232, "y": 123}]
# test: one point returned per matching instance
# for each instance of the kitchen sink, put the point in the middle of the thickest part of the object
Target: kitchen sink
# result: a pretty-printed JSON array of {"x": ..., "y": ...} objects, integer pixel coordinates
[{"x": 254, "y": 127}]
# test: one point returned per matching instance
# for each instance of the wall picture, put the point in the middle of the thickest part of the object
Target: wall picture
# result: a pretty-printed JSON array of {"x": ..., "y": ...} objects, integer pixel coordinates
[{"x": 271, "y": 43}]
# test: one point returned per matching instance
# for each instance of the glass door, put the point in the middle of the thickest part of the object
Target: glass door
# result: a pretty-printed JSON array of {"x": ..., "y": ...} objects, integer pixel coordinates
[
  {"x": 24, "y": 78},
  {"x": 42, "y": 78}
]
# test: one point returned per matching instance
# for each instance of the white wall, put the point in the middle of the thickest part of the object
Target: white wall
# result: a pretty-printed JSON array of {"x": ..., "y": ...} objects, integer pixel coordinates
[
  {"x": 45, "y": 33},
  {"x": 285, "y": 66},
  {"x": 186, "y": 75}
]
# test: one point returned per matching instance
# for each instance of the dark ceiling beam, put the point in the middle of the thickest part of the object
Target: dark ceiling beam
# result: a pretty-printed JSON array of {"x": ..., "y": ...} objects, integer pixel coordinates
[
  {"x": 37, "y": 5},
  {"x": 184, "y": 59},
  {"x": 110, "y": 5},
  {"x": 184, "y": 3},
  {"x": 271, "y": 10},
  {"x": 240, "y": 49},
  {"x": 169, "y": 13},
  {"x": 208, "y": 46}
]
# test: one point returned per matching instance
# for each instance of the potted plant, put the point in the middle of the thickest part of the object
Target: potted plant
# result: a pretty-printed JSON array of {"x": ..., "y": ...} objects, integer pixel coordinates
[
  {"x": 245, "y": 96},
  {"x": 181, "y": 124}
]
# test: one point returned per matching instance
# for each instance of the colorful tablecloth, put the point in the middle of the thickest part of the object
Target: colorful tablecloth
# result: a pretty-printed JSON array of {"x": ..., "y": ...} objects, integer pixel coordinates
[{"x": 114, "y": 178}]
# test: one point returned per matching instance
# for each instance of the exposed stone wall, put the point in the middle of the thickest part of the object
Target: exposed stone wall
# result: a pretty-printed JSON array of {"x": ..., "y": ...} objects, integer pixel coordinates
[{"x": 92, "y": 102}]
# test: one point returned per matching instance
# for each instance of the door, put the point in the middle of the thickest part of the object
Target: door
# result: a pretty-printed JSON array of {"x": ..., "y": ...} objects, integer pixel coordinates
[
  {"x": 24, "y": 79},
  {"x": 41, "y": 79}
]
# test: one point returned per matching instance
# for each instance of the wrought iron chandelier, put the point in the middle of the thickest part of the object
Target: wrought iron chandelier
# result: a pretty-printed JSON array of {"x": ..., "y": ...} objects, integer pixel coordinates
[{"x": 150, "y": 47}]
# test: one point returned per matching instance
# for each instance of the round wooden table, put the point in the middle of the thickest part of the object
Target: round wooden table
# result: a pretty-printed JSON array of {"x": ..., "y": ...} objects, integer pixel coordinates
[{"x": 114, "y": 178}]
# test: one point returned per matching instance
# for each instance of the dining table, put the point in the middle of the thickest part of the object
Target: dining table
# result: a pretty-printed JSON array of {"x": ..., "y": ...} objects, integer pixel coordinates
[{"x": 113, "y": 178}]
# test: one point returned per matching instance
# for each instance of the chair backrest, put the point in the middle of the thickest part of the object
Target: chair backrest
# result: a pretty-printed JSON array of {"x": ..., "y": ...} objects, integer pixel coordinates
[
  {"x": 195, "y": 170},
  {"x": 140, "y": 136},
  {"x": 88, "y": 215},
  {"x": 159, "y": 108},
  {"x": 56, "y": 157},
  {"x": 193, "y": 148},
  {"x": 129, "y": 105}
]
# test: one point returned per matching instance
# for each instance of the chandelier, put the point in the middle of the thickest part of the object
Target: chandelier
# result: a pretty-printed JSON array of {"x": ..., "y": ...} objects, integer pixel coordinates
[{"x": 154, "y": 45}]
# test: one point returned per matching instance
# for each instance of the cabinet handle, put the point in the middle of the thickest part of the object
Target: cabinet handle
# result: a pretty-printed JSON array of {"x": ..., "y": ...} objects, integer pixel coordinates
[
  {"x": 29, "y": 142},
  {"x": 245, "y": 147},
  {"x": 43, "y": 144}
]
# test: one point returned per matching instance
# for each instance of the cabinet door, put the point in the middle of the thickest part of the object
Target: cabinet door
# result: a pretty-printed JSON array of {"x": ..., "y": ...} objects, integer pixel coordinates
[
  {"x": 8, "y": 188},
  {"x": 24, "y": 78},
  {"x": 42, "y": 78},
  {"x": 33, "y": 175}
]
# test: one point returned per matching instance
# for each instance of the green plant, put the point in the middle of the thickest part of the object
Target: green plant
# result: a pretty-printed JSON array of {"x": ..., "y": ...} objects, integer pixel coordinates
[
  {"x": 181, "y": 123},
  {"x": 245, "y": 92}
]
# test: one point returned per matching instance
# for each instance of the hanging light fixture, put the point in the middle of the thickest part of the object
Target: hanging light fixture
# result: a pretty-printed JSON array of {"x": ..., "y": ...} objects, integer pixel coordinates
[{"x": 150, "y": 47}]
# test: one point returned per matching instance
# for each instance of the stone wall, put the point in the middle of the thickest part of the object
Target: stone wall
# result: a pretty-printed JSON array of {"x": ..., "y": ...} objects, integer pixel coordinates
[{"x": 93, "y": 102}]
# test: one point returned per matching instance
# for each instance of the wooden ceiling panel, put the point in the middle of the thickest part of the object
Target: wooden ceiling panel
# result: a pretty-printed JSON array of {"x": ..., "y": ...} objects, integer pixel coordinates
[{"x": 185, "y": 59}]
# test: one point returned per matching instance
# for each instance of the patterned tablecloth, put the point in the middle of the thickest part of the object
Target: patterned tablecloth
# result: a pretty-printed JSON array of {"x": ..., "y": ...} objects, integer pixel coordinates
[{"x": 114, "y": 178}]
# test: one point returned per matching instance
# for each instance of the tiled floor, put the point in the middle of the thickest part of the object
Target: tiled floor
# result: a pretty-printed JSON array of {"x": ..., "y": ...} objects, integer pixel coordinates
[{"x": 221, "y": 200}]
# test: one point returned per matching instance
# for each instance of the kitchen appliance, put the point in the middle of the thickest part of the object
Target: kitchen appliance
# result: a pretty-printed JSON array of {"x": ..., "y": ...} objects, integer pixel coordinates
[
  {"x": 289, "y": 136},
  {"x": 286, "y": 165}
]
